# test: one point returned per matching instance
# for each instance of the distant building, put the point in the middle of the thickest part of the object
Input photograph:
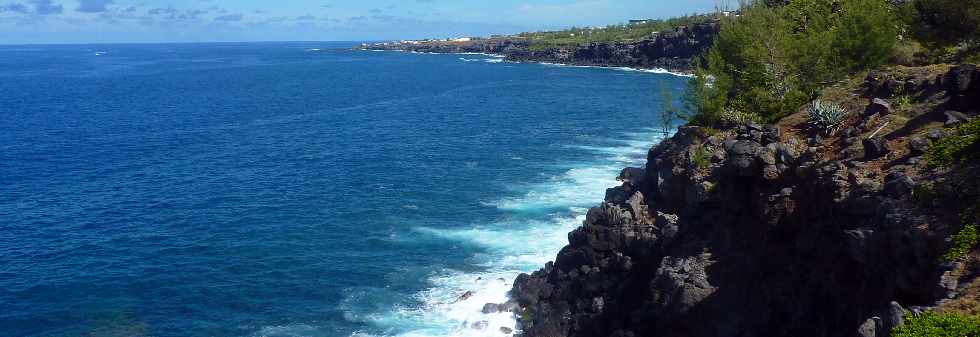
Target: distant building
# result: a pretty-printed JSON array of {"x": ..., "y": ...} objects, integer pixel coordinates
[
  {"x": 639, "y": 22},
  {"x": 462, "y": 39}
]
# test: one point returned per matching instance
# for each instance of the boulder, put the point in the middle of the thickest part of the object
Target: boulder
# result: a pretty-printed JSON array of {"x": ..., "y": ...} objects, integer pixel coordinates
[
  {"x": 918, "y": 146},
  {"x": 770, "y": 134},
  {"x": 878, "y": 106},
  {"x": 868, "y": 329},
  {"x": 955, "y": 117},
  {"x": 964, "y": 89},
  {"x": 491, "y": 308},
  {"x": 898, "y": 185},
  {"x": 875, "y": 148},
  {"x": 506, "y": 330},
  {"x": 936, "y": 134},
  {"x": 631, "y": 175},
  {"x": 896, "y": 315},
  {"x": 742, "y": 158},
  {"x": 960, "y": 78}
]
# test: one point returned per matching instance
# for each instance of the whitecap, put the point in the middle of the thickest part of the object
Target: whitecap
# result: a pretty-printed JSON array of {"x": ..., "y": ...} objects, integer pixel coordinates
[{"x": 542, "y": 216}]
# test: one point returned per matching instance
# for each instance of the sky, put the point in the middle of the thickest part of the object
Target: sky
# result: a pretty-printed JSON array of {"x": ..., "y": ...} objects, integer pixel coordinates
[{"x": 120, "y": 21}]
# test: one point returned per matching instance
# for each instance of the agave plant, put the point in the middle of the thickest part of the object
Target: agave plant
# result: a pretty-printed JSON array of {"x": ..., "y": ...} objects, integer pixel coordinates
[{"x": 826, "y": 115}]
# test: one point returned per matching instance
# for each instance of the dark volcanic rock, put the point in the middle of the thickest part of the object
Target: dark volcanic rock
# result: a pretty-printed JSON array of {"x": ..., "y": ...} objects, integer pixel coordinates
[
  {"x": 771, "y": 242},
  {"x": 742, "y": 158},
  {"x": 955, "y": 117},
  {"x": 878, "y": 106},
  {"x": 918, "y": 146},
  {"x": 875, "y": 148},
  {"x": 964, "y": 88}
]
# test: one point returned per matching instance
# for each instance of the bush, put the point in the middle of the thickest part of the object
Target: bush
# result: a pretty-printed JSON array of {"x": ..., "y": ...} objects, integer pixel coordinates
[
  {"x": 825, "y": 115},
  {"x": 732, "y": 117},
  {"x": 944, "y": 22},
  {"x": 700, "y": 157},
  {"x": 961, "y": 147},
  {"x": 963, "y": 242},
  {"x": 938, "y": 325},
  {"x": 907, "y": 53},
  {"x": 773, "y": 59}
]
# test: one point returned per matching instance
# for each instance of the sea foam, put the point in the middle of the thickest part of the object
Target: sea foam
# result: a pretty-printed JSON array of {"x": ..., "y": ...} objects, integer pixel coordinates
[{"x": 508, "y": 249}]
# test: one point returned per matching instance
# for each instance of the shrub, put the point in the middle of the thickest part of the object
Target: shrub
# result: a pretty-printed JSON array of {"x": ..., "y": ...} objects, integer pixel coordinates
[
  {"x": 938, "y": 325},
  {"x": 963, "y": 242},
  {"x": 772, "y": 59},
  {"x": 906, "y": 53},
  {"x": 903, "y": 103},
  {"x": 700, "y": 157},
  {"x": 733, "y": 117},
  {"x": 826, "y": 115},
  {"x": 944, "y": 22},
  {"x": 961, "y": 147}
]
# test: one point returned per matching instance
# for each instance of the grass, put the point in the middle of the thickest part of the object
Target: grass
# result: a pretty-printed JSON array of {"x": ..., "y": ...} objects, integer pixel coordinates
[
  {"x": 963, "y": 243},
  {"x": 939, "y": 325},
  {"x": 961, "y": 147},
  {"x": 903, "y": 103},
  {"x": 700, "y": 157}
]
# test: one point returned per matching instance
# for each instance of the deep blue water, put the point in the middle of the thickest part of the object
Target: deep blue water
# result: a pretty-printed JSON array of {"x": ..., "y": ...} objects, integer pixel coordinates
[{"x": 293, "y": 189}]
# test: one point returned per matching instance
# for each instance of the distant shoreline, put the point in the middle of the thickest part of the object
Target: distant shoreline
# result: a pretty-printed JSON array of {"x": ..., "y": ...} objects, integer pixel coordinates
[
  {"x": 506, "y": 59},
  {"x": 668, "y": 52}
]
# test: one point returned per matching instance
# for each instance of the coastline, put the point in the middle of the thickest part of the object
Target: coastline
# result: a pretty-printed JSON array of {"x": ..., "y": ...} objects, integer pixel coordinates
[{"x": 505, "y": 58}]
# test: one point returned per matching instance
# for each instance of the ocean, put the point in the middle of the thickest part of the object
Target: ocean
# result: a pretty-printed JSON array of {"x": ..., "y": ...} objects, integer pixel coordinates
[{"x": 295, "y": 189}]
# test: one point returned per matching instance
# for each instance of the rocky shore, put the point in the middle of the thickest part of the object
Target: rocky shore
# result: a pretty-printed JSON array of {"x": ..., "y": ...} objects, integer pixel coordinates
[
  {"x": 772, "y": 230},
  {"x": 672, "y": 50}
]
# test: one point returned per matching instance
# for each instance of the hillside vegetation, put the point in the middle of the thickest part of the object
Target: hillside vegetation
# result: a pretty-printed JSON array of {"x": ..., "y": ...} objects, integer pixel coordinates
[
  {"x": 774, "y": 58},
  {"x": 614, "y": 33},
  {"x": 781, "y": 55}
]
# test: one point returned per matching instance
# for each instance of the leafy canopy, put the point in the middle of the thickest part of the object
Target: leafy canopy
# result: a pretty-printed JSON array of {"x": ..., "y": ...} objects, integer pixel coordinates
[{"x": 772, "y": 59}]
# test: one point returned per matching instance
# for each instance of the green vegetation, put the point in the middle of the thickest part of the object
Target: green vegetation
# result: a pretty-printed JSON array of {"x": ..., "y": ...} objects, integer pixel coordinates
[
  {"x": 614, "y": 33},
  {"x": 939, "y": 325},
  {"x": 777, "y": 56},
  {"x": 963, "y": 243},
  {"x": 700, "y": 157},
  {"x": 961, "y": 147},
  {"x": 944, "y": 23},
  {"x": 903, "y": 103},
  {"x": 826, "y": 115},
  {"x": 733, "y": 117},
  {"x": 774, "y": 58}
]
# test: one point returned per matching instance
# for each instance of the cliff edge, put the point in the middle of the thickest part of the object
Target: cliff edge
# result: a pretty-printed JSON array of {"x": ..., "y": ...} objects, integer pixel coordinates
[{"x": 775, "y": 230}]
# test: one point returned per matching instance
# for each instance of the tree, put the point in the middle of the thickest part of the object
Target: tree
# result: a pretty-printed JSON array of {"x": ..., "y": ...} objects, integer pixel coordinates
[{"x": 944, "y": 22}]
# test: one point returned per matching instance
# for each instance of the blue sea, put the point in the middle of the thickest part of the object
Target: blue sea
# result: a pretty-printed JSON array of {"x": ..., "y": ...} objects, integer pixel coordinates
[{"x": 294, "y": 189}]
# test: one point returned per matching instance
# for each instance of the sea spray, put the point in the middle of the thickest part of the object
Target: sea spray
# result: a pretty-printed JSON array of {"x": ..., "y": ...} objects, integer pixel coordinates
[{"x": 453, "y": 304}]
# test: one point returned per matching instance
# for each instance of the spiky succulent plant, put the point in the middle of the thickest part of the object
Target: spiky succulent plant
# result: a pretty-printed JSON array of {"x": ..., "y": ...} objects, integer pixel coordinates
[{"x": 826, "y": 115}]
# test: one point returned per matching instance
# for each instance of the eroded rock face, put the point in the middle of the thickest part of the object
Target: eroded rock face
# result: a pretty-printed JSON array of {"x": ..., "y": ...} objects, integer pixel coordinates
[{"x": 766, "y": 241}]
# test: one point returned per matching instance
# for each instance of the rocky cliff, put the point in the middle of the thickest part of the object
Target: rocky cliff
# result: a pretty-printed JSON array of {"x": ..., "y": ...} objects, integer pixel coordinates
[
  {"x": 672, "y": 50},
  {"x": 777, "y": 230}
]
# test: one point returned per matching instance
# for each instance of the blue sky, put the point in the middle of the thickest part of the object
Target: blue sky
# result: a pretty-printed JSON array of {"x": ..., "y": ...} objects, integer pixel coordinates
[{"x": 106, "y": 21}]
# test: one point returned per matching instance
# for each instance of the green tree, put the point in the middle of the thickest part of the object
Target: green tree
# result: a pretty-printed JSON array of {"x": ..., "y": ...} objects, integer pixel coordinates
[
  {"x": 774, "y": 58},
  {"x": 944, "y": 22}
]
